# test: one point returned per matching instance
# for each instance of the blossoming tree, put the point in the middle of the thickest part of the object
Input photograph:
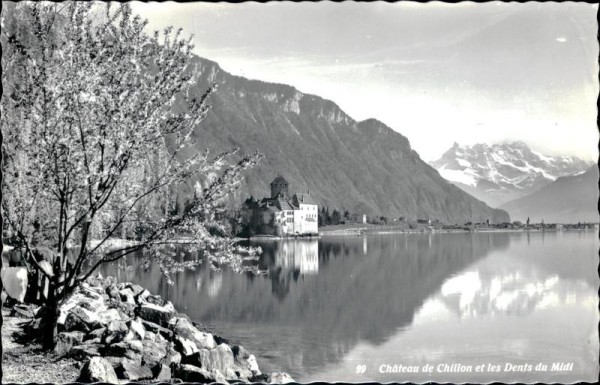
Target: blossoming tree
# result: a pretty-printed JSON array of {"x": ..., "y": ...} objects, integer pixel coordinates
[{"x": 97, "y": 123}]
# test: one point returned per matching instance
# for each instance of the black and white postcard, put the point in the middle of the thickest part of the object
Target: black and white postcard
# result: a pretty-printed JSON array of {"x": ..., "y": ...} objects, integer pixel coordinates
[{"x": 277, "y": 192}]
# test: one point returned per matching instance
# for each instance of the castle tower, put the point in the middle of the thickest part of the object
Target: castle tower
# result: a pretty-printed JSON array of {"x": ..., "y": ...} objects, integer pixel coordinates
[{"x": 279, "y": 185}]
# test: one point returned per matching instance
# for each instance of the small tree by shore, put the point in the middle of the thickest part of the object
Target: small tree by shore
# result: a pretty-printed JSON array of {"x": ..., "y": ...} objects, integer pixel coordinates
[{"x": 96, "y": 119}]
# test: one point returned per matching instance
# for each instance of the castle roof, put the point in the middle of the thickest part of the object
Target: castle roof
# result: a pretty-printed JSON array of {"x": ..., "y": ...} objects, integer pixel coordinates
[
  {"x": 279, "y": 180},
  {"x": 304, "y": 199},
  {"x": 285, "y": 205}
]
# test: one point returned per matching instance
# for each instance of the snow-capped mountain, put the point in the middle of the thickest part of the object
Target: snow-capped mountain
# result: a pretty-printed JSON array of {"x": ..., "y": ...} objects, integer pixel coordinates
[{"x": 499, "y": 173}]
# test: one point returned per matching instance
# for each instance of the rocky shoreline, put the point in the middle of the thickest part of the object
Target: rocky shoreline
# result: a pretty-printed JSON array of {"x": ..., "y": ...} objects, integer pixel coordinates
[{"x": 120, "y": 332}]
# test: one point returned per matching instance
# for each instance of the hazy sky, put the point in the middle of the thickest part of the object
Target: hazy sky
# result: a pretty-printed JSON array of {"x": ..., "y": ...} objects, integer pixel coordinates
[{"x": 437, "y": 73}]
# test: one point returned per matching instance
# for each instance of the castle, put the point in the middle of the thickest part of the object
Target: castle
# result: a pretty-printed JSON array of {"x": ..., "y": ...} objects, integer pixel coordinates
[{"x": 282, "y": 215}]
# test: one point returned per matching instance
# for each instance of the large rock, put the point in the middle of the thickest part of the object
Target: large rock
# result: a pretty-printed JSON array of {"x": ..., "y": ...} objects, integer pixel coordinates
[
  {"x": 84, "y": 351},
  {"x": 115, "y": 332},
  {"x": 97, "y": 281},
  {"x": 253, "y": 365},
  {"x": 191, "y": 373},
  {"x": 91, "y": 292},
  {"x": 107, "y": 316},
  {"x": 157, "y": 329},
  {"x": 154, "y": 299},
  {"x": 65, "y": 341},
  {"x": 113, "y": 292},
  {"x": 81, "y": 319},
  {"x": 143, "y": 296},
  {"x": 24, "y": 311},
  {"x": 96, "y": 333},
  {"x": 173, "y": 357},
  {"x": 262, "y": 378},
  {"x": 136, "y": 346},
  {"x": 127, "y": 296},
  {"x": 97, "y": 369},
  {"x": 280, "y": 378},
  {"x": 245, "y": 363},
  {"x": 126, "y": 308},
  {"x": 185, "y": 347},
  {"x": 150, "y": 336},
  {"x": 184, "y": 328},
  {"x": 128, "y": 350},
  {"x": 155, "y": 313},
  {"x": 153, "y": 353},
  {"x": 135, "y": 289},
  {"x": 136, "y": 330},
  {"x": 118, "y": 361},
  {"x": 14, "y": 281},
  {"x": 219, "y": 359},
  {"x": 163, "y": 373},
  {"x": 129, "y": 370},
  {"x": 75, "y": 300}
]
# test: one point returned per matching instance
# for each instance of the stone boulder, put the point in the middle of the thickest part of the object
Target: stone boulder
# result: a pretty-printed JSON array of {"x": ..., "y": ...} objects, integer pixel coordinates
[
  {"x": 107, "y": 316},
  {"x": 66, "y": 340},
  {"x": 75, "y": 300},
  {"x": 191, "y": 373},
  {"x": 154, "y": 299},
  {"x": 280, "y": 378},
  {"x": 22, "y": 310},
  {"x": 96, "y": 333},
  {"x": 136, "y": 330},
  {"x": 245, "y": 363},
  {"x": 135, "y": 289},
  {"x": 155, "y": 313},
  {"x": 150, "y": 336},
  {"x": 219, "y": 358},
  {"x": 184, "y": 328},
  {"x": 118, "y": 361},
  {"x": 99, "y": 281},
  {"x": 130, "y": 349},
  {"x": 173, "y": 357},
  {"x": 262, "y": 378},
  {"x": 113, "y": 292},
  {"x": 162, "y": 373},
  {"x": 98, "y": 369},
  {"x": 143, "y": 296},
  {"x": 127, "y": 296},
  {"x": 14, "y": 282},
  {"x": 157, "y": 329},
  {"x": 115, "y": 332},
  {"x": 129, "y": 370},
  {"x": 81, "y": 319},
  {"x": 185, "y": 347},
  {"x": 91, "y": 291},
  {"x": 84, "y": 351},
  {"x": 153, "y": 353}
]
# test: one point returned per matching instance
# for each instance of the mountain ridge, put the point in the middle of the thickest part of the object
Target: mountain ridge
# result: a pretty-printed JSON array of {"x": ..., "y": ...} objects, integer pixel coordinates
[
  {"x": 503, "y": 172},
  {"x": 360, "y": 166},
  {"x": 569, "y": 199}
]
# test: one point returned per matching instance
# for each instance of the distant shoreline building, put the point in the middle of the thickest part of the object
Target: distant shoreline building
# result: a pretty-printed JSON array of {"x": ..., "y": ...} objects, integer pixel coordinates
[{"x": 282, "y": 215}]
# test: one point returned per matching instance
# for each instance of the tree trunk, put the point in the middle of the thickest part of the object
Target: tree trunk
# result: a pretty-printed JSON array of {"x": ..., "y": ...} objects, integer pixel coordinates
[{"x": 50, "y": 320}]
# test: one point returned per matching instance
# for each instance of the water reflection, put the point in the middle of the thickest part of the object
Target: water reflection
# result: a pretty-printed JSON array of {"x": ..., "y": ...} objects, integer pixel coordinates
[
  {"x": 330, "y": 304},
  {"x": 533, "y": 302},
  {"x": 301, "y": 256},
  {"x": 323, "y": 297}
]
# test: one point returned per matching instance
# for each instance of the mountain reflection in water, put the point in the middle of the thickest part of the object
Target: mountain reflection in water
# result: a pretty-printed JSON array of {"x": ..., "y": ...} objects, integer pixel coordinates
[{"x": 331, "y": 304}]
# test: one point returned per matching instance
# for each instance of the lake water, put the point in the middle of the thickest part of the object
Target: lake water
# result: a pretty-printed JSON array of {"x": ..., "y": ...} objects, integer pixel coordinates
[{"x": 349, "y": 309}]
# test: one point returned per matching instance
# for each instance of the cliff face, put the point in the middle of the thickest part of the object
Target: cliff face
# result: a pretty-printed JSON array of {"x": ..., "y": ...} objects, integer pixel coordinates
[{"x": 364, "y": 167}]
